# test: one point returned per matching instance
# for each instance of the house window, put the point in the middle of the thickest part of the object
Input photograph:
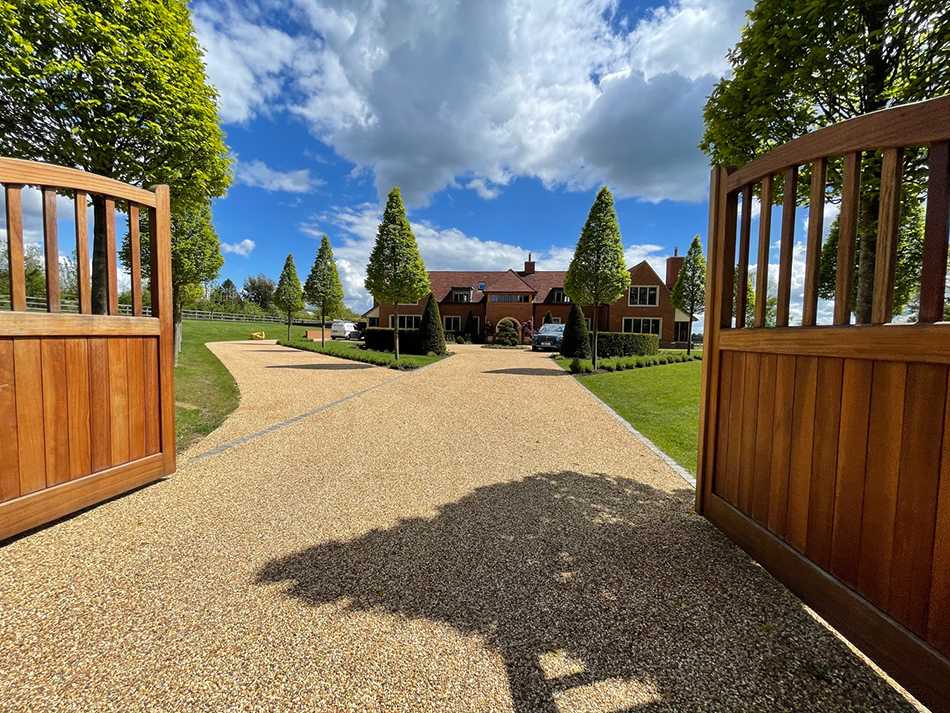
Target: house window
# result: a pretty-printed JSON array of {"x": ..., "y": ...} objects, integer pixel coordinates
[
  {"x": 644, "y": 325},
  {"x": 452, "y": 324},
  {"x": 461, "y": 295},
  {"x": 406, "y": 321},
  {"x": 373, "y": 322},
  {"x": 555, "y": 320},
  {"x": 644, "y": 296},
  {"x": 481, "y": 286},
  {"x": 558, "y": 297},
  {"x": 680, "y": 331},
  {"x": 507, "y": 298}
]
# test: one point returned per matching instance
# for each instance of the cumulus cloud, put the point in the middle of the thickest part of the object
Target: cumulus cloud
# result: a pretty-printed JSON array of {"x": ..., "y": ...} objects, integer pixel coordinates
[
  {"x": 259, "y": 175},
  {"x": 243, "y": 248},
  {"x": 424, "y": 93}
]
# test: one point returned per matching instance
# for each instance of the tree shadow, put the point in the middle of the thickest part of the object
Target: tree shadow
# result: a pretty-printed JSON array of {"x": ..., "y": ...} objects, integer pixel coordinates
[
  {"x": 591, "y": 584},
  {"x": 322, "y": 367},
  {"x": 528, "y": 371}
]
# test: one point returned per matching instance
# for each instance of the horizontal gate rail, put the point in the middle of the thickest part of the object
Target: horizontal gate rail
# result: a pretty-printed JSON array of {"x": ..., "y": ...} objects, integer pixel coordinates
[
  {"x": 86, "y": 384},
  {"x": 824, "y": 449}
]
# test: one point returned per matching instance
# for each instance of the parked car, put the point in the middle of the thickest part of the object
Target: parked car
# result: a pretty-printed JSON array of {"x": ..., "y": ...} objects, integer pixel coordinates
[
  {"x": 548, "y": 337},
  {"x": 341, "y": 329}
]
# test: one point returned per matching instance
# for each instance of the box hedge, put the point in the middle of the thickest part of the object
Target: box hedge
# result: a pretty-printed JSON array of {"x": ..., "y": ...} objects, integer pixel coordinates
[
  {"x": 619, "y": 344},
  {"x": 381, "y": 339}
]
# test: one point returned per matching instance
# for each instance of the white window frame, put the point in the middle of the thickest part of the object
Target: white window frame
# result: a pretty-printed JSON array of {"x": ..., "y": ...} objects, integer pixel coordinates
[
  {"x": 630, "y": 302},
  {"x": 416, "y": 320},
  {"x": 515, "y": 298},
  {"x": 676, "y": 325},
  {"x": 658, "y": 320},
  {"x": 590, "y": 323},
  {"x": 454, "y": 318},
  {"x": 565, "y": 300},
  {"x": 459, "y": 291}
]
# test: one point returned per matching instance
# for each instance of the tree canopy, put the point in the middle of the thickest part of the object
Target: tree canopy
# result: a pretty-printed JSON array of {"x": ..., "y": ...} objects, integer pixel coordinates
[
  {"x": 431, "y": 331},
  {"x": 289, "y": 294},
  {"x": 689, "y": 291},
  {"x": 323, "y": 288}
]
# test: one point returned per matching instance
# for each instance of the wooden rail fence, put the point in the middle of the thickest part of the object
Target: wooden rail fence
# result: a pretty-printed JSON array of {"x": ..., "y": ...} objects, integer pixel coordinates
[
  {"x": 825, "y": 450},
  {"x": 86, "y": 400}
]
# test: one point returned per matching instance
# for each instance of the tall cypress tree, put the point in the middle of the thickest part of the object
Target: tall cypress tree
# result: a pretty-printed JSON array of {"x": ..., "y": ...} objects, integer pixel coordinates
[
  {"x": 598, "y": 274},
  {"x": 323, "y": 288},
  {"x": 689, "y": 292},
  {"x": 431, "y": 333},
  {"x": 289, "y": 295},
  {"x": 576, "y": 340},
  {"x": 396, "y": 273}
]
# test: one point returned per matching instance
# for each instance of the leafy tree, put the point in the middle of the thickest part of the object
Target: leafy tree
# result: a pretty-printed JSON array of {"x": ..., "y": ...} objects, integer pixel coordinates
[
  {"x": 597, "y": 274},
  {"x": 800, "y": 66},
  {"x": 396, "y": 273},
  {"x": 323, "y": 288},
  {"x": 226, "y": 295},
  {"x": 548, "y": 318},
  {"x": 689, "y": 292},
  {"x": 289, "y": 294},
  {"x": 576, "y": 340},
  {"x": 506, "y": 333},
  {"x": 116, "y": 87},
  {"x": 259, "y": 290},
  {"x": 431, "y": 333},
  {"x": 34, "y": 269}
]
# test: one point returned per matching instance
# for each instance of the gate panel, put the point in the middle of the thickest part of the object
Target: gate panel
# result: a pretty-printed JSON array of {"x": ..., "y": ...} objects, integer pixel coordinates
[
  {"x": 825, "y": 450},
  {"x": 86, "y": 400}
]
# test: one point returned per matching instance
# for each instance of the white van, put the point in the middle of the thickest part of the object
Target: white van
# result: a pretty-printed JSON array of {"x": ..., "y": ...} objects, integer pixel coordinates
[{"x": 341, "y": 329}]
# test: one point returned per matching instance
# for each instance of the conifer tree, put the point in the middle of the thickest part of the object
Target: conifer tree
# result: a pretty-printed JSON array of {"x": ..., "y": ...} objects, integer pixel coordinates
[
  {"x": 576, "y": 340},
  {"x": 431, "y": 333},
  {"x": 548, "y": 318},
  {"x": 289, "y": 295},
  {"x": 323, "y": 288},
  {"x": 689, "y": 292}
]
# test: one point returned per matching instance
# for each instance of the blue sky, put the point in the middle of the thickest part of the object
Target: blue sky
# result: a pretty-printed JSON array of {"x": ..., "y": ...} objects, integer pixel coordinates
[{"x": 499, "y": 120}]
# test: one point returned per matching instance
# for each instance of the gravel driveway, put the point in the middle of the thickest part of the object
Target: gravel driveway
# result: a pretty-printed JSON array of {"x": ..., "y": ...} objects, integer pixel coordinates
[{"x": 480, "y": 535}]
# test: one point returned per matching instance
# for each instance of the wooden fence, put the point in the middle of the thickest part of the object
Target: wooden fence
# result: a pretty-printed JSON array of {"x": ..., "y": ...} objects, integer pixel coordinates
[
  {"x": 86, "y": 400},
  {"x": 825, "y": 450}
]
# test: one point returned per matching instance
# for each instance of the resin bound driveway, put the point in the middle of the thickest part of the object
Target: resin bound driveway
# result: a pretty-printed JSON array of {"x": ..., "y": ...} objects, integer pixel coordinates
[{"x": 478, "y": 535}]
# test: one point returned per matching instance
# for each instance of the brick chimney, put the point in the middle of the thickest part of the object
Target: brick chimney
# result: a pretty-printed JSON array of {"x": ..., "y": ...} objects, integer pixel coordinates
[
  {"x": 673, "y": 265},
  {"x": 528, "y": 266}
]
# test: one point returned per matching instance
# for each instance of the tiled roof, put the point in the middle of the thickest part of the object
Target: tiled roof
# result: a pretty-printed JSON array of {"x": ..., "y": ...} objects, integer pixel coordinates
[
  {"x": 444, "y": 280},
  {"x": 543, "y": 282}
]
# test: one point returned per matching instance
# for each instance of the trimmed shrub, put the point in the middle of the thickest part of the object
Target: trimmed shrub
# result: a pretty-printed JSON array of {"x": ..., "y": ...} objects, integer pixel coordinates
[
  {"x": 548, "y": 318},
  {"x": 616, "y": 344},
  {"x": 431, "y": 333},
  {"x": 576, "y": 342},
  {"x": 381, "y": 339},
  {"x": 506, "y": 333}
]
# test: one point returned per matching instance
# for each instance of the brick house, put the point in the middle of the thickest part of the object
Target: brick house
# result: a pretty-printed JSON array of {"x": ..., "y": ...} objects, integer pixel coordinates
[{"x": 527, "y": 295}]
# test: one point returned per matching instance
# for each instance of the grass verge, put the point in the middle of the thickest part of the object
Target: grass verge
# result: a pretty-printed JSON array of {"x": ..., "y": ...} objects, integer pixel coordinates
[
  {"x": 663, "y": 404},
  {"x": 354, "y": 351}
]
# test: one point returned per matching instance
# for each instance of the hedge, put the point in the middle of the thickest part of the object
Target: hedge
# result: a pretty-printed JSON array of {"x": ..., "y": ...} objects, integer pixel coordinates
[
  {"x": 619, "y": 344},
  {"x": 381, "y": 339}
]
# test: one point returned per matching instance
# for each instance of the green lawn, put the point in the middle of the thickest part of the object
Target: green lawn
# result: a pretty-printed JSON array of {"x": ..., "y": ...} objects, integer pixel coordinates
[
  {"x": 630, "y": 362},
  {"x": 662, "y": 402},
  {"x": 205, "y": 392},
  {"x": 356, "y": 352}
]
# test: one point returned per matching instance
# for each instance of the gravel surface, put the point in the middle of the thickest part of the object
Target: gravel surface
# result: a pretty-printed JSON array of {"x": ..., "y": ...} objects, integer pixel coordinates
[{"x": 479, "y": 535}]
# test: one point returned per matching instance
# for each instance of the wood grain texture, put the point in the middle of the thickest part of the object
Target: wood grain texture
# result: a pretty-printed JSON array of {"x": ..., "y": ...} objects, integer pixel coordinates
[
  {"x": 816, "y": 222},
  {"x": 135, "y": 259},
  {"x": 742, "y": 268},
  {"x": 762, "y": 457},
  {"x": 888, "y": 223},
  {"x": 938, "y": 619},
  {"x": 83, "y": 276},
  {"x": 726, "y": 270},
  {"x": 119, "y": 399},
  {"x": 31, "y": 447},
  {"x": 55, "y": 411},
  {"x": 51, "y": 250},
  {"x": 762, "y": 264},
  {"x": 150, "y": 406},
  {"x": 14, "y": 201},
  {"x": 800, "y": 462},
  {"x": 749, "y": 412},
  {"x": 847, "y": 237},
  {"x": 786, "y": 247},
  {"x": 137, "y": 395},
  {"x": 880, "y": 484},
  {"x": 933, "y": 277},
  {"x": 781, "y": 443},
  {"x": 821, "y": 497},
  {"x": 100, "y": 404},
  {"x": 734, "y": 450},
  {"x": 35, "y": 173},
  {"x": 721, "y": 481},
  {"x": 851, "y": 465},
  {"x": 26, "y": 324},
  {"x": 77, "y": 388},
  {"x": 9, "y": 460},
  {"x": 917, "y": 490},
  {"x": 112, "y": 278},
  {"x": 162, "y": 306}
]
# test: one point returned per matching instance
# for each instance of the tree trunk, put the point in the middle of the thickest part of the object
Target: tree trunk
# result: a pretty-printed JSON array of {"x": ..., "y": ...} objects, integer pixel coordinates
[
  {"x": 396, "y": 332},
  {"x": 689, "y": 332},
  {"x": 289, "y": 320},
  {"x": 323, "y": 328},
  {"x": 594, "y": 351},
  {"x": 176, "y": 321},
  {"x": 100, "y": 257}
]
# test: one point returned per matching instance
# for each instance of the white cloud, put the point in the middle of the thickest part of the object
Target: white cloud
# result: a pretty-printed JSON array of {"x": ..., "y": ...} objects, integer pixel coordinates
[
  {"x": 423, "y": 93},
  {"x": 243, "y": 248},
  {"x": 259, "y": 175}
]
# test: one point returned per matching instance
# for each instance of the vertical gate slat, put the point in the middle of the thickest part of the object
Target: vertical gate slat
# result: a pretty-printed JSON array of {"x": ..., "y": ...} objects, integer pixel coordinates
[
  {"x": 137, "y": 397},
  {"x": 852, "y": 459},
  {"x": 938, "y": 620},
  {"x": 763, "y": 439},
  {"x": 119, "y": 392},
  {"x": 100, "y": 416},
  {"x": 933, "y": 276},
  {"x": 888, "y": 222},
  {"x": 111, "y": 267},
  {"x": 821, "y": 501},
  {"x": 734, "y": 457},
  {"x": 762, "y": 264},
  {"x": 880, "y": 484},
  {"x": 28, "y": 374},
  {"x": 151, "y": 403},
  {"x": 51, "y": 250},
  {"x": 816, "y": 221},
  {"x": 781, "y": 444},
  {"x": 135, "y": 259},
  {"x": 14, "y": 200},
  {"x": 742, "y": 270},
  {"x": 917, "y": 490},
  {"x": 750, "y": 397},
  {"x": 55, "y": 411},
  {"x": 847, "y": 237},
  {"x": 786, "y": 247},
  {"x": 160, "y": 223},
  {"x": 723, "y": 426},
  {"x": 77, "y": 388},
  {"x": 800, "y": 462},
  {"x": 82, "y": 253},
  {"x": 9, "y": 461}
]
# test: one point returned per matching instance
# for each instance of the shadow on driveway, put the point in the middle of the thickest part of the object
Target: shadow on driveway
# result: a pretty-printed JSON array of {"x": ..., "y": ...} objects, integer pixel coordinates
[
  {"x": 528, "y": 371},
  {"x": 321, "y": 367},
  {"x": 595, "y": 587}
]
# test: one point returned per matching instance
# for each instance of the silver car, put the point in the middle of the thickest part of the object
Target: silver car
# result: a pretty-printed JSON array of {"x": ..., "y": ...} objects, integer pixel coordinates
[{"x": 548, "y": 337}]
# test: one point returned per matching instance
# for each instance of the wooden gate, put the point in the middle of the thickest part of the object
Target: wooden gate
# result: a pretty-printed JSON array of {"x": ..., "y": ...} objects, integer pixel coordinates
[
  {"x": 86, "y": 400},
  {"x": 825, "y": 450}
]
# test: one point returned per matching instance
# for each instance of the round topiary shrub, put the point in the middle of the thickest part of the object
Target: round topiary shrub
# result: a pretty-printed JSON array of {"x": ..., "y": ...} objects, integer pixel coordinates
[{"x": 507, "y": 333}]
